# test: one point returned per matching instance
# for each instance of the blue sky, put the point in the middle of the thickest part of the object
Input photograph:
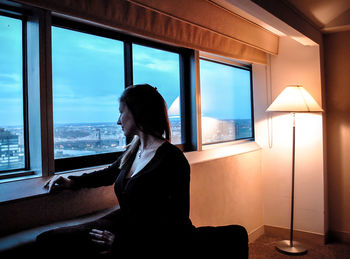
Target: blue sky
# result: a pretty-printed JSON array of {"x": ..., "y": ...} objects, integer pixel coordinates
[
  {"x": 225, "y": 91},
  {"x": 11, "y": 98},
  {"x": 88, "y": 75},
  {"x": 88, "y": 78}
]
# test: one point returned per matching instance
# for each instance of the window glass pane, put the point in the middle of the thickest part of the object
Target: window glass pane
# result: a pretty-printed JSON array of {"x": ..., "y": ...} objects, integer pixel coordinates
[
  {"x": 226, "y": 102},
  {"x": 88, "y": 79},
  {"x": 11, "y": 95},
  {"x": 161, "y": 69}
]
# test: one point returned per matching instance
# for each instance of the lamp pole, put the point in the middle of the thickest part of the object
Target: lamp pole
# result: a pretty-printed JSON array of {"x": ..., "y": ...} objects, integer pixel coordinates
[
  {"x": 289, "y": 246},
  {"x": 293, "y": 177}
]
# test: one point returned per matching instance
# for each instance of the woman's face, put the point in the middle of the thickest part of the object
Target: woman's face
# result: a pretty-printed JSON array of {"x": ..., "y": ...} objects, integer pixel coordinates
[{"x": 126, "y": 120}]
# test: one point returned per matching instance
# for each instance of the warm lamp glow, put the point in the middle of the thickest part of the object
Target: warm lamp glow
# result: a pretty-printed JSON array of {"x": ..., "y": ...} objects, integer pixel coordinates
[{"x": 294, "y": 99}]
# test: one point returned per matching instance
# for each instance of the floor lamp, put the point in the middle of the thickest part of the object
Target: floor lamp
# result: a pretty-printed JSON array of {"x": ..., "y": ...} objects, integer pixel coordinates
[{"x": 293, "y": 99}]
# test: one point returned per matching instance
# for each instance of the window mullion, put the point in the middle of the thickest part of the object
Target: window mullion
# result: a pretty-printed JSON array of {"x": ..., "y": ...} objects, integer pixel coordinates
[
  {"x": 128, "y": 67},
  {"x": 188, "y": 100},
  {"x": 46, "y": 94},
  {"x": 252, "y": 105},
  {"x": 197, "y": 101},
  {"x": 128, "y": 70},
  {"x": 40, "y": 118},
  {"x": 25, "y": 94}
]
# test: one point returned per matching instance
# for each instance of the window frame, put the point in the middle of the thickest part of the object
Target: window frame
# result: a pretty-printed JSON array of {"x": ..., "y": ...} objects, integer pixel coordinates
[
  {"x": 14, "y": 13},
  {"x": 66, "y": 164},
  {"x": 38, "y": 116},
  {"x": 236, "y": 64}
]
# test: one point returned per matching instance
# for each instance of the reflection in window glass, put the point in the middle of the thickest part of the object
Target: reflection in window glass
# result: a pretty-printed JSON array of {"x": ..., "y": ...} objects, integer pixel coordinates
[
  {"x": 161, "y": 69},
  {"x": 11, "y": 95},
  {"x": 226, "y": 102},
  {"x": 88, "y": 79}
]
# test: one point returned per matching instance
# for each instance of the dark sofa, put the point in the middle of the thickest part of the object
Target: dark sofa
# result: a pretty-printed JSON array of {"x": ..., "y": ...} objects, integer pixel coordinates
[{"x": 229, "y": 241}]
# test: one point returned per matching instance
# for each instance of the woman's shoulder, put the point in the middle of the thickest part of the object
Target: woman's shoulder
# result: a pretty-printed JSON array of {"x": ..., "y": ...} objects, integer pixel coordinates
[
  {"x": 171, "y": 148},
  {"x": 172, "y": 152}
]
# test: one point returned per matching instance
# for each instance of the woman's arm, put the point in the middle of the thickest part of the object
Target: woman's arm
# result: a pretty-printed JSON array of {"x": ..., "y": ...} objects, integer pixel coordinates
[
  {"x": 106, "y": 176},
  {"x": 97, "y": 178}
]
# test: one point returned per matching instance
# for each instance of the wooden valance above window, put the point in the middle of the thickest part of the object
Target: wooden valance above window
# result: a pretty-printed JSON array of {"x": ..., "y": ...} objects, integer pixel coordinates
[{"x": 196, "y": 24}]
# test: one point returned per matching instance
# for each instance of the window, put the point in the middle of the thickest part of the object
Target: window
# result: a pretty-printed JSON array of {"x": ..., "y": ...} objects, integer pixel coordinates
[
  {"x": 226, "y": 102},
  {"x": 12, "y": 125},
  {"x": 161, "y": 69},
  {"x": 90, "y": 69},
  {"x": 88, "y": 79},
  {"x": 91, "y": 66}
]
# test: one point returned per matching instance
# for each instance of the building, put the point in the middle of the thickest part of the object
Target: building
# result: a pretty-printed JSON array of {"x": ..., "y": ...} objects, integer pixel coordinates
[{"x": 11, "y": 156}]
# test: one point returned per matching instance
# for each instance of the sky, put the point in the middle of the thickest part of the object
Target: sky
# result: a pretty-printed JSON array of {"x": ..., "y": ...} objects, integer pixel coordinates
[
  {"x": 225, "y": 91},
  {"x": 88, "y": 78},
  {"x": 11, "y": 96}
]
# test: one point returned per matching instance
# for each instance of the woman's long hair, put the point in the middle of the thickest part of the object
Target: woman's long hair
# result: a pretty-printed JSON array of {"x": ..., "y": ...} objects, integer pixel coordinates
[{"x": 150, "y": 114}]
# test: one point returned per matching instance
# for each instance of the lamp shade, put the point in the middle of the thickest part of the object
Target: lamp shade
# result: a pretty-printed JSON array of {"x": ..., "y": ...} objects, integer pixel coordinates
[{"x": 294, "y": 99}]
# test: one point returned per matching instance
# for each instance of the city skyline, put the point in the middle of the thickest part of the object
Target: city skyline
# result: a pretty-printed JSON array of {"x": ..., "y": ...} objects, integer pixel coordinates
[{"x": 83, "y": 139}]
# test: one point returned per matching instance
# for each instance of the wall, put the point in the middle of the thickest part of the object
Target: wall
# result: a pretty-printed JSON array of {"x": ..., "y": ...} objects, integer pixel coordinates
[
  {"x": 45, "y": 209},
  {"x": 337, "y": 68},
  {"x": 295, "y": 64},
  {"x": 228, "y": 191}
]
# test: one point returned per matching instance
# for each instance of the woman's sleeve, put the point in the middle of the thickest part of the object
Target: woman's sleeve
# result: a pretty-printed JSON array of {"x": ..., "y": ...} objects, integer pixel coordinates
[{"x": 103, "y": 177}]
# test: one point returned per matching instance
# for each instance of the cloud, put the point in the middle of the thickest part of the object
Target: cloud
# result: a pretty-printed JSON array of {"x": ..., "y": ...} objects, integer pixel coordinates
[
  {"x": 64, "y": 91},
  {"x": 11, "y": 77},
  {"x": 92, "y": 102},
  {"x": 10, "y": 84},
  {"x": 78, "y": 43},
  {"x": 11, "y": 102},
  {"x": 102, "y": 48},
  {"x": 151, "y": 62}
]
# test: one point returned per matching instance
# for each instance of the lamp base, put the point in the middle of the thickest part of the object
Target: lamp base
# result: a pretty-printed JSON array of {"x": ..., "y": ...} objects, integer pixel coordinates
[{"x": 296, "y": 249}]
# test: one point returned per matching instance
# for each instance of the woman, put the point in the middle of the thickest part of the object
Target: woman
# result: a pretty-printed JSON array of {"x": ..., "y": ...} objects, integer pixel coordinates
[{"x": 151, "y": 181}]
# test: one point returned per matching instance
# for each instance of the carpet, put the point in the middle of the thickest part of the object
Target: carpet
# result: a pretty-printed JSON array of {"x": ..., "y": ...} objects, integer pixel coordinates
[{"x": 264, "y": 247}]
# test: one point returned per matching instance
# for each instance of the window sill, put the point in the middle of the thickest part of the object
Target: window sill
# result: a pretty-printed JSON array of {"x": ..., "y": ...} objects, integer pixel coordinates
[
  {"x": 30, "y": 186},
  {"x": 5, "y": 177},
  {"x": 19, "y": 188},
  {"x": 217, "y": 151}
]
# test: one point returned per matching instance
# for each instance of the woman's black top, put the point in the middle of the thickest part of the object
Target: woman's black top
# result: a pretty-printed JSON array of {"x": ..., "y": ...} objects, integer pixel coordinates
[{"x": 154, "y": 203}]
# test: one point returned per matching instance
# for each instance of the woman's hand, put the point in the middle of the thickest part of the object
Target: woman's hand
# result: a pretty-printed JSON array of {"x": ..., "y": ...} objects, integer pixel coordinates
[
  {"x": 104, "y": 239},
  {"x": 58, "y": 183}
]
